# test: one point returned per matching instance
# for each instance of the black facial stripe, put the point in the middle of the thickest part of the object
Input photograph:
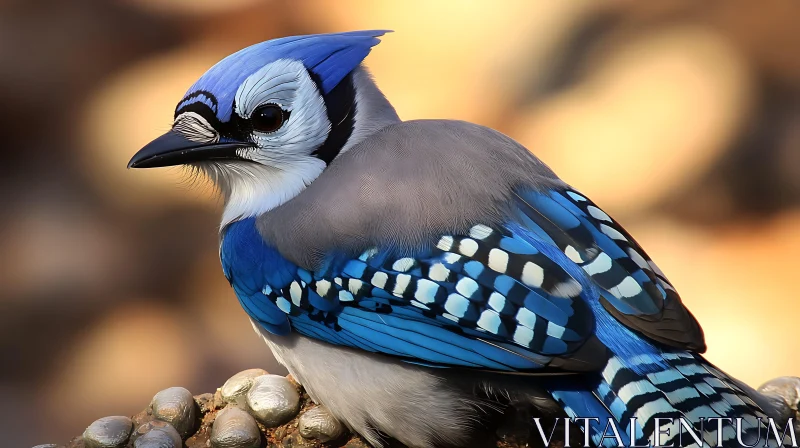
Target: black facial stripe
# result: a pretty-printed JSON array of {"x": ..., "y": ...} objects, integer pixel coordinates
[
  {"x": 237, "y": 128},
  {"x": 341, "y": 107},
  {"x": 210, "y": 96},
  {"x": 201, "y": 109}
]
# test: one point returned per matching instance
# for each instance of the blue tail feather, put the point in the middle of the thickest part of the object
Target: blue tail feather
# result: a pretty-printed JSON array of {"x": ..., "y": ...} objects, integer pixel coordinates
[{"x": 681, "y": 385}]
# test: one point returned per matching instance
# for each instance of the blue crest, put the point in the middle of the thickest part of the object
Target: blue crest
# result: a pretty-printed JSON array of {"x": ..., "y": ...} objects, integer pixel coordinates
[{"x": 329, "y": 56}]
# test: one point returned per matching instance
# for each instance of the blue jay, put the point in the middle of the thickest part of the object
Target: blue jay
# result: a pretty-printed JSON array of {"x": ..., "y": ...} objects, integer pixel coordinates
[{"x": 413, "y": 274}]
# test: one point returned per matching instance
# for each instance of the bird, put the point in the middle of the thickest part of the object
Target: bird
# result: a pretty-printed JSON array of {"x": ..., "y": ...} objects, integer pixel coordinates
[{"x": 418, "y": 276}]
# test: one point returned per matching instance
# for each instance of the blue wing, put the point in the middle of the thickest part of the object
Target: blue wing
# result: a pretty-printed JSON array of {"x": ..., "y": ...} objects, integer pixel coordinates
[
  {"x": 635, "y": 290},
  {"x": 515, "y": 297}
]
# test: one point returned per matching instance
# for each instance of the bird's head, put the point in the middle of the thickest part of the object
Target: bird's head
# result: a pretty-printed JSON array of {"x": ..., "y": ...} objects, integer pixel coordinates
[{"x": 265, "y": 121}]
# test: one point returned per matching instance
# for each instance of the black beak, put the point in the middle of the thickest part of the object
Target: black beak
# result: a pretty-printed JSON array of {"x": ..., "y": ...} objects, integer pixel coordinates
[{"x": 174, "y": 149}]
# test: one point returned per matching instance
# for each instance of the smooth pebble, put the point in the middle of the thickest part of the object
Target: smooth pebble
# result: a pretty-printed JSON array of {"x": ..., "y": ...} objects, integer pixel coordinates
[
  {"x": 157, "y": 434},
  {"x": 786, "y": 387},
  {"x": 234, "y": 390},
  {"x": 319, "y": 424},
  {"x": 175, "y": 406},
  {"x": 273, "y": 400},
  {"x": 235, "y": 428},
  {"x": 159, "y": 438},
  {"x": 783, "y": 393},
  {"x": 108, "y": 432}
]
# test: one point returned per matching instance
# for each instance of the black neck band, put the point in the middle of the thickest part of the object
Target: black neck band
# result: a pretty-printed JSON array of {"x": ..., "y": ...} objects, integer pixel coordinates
[{"x": 341, "y": 106}]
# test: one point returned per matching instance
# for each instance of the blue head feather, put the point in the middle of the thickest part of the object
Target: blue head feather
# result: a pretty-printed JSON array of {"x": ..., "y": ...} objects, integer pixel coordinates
[{"x": 329, "y": 56}]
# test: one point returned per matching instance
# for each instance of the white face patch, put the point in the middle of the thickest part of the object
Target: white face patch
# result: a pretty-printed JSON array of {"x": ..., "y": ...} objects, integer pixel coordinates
[
  {"x": 284, "y": 164},
  {"x": 287, "y": 84}
]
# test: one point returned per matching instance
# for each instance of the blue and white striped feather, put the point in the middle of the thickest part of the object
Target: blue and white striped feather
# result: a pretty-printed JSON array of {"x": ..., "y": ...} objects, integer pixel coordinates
[
  {"x": 687, "y": 387},
  {"x": 506, "y": 298},
  {"x": 637, "y": 291},
  {"x": 601, "y": 247}
]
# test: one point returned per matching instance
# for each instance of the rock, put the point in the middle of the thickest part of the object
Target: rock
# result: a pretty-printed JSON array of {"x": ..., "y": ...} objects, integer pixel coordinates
[
  {"x": 234, "y": 390},
  {"x": 319, "y": 424},
  {"x": 784, "y": 394},
  {"x": 175, "y": 406},
  {"x": 235, "y": 428},
  {"x": 786, "y": 387},
  {"x": 108, "y": 432},
  {"x": 155, "y": 432},
  {"x": 273, "y": 400}
]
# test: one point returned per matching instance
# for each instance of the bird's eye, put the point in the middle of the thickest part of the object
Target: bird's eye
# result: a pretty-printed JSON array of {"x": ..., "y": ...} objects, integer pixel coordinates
[{"x": 268, "y": 118}]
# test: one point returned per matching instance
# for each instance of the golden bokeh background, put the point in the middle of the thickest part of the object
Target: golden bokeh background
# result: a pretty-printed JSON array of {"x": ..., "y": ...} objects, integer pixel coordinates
[{"x": 680, "y": 118}]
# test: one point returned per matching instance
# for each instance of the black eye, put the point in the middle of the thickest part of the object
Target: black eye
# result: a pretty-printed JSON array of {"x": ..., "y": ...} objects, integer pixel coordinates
[{"x": 268, "y": 118}]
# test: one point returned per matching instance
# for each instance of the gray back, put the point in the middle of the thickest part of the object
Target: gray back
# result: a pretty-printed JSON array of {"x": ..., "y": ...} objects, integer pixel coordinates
[{"x": 403, "y": 187}]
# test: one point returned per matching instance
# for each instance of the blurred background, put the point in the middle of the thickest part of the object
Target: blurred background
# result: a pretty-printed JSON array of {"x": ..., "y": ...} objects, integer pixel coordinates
[{"x": 680, "y": 118}]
